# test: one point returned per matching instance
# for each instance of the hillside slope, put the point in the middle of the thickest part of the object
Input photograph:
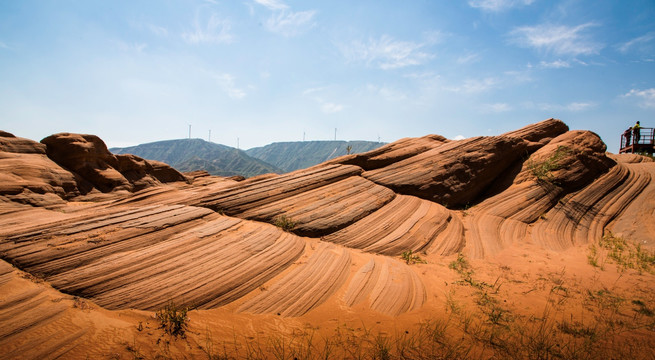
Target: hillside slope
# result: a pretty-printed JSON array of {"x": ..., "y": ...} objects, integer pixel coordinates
[
  {"x": 296, "y": 155},
  {"x": 197, "y": 154}
]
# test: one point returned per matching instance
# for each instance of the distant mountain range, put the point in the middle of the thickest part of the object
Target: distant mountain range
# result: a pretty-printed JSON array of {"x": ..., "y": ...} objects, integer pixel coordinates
[
  {"x": 290, "y": 156},
  {"x": 197, "y": 154}
]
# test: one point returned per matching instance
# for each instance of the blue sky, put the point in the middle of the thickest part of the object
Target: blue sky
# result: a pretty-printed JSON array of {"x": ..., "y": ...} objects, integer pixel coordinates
[{"x": 263, "y": 71}]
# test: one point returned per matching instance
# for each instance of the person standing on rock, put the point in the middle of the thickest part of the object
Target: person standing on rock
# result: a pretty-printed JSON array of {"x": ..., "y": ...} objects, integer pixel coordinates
[{"x": 636, "y": 130}]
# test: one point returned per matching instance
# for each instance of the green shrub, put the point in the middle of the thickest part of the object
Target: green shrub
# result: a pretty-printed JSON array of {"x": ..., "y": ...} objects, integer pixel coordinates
[
  {"x": 627, "y": 255},
  {"x": 543, "y": 170},
  {"x": 411, "y": 258},
  {"x": 173, "y": 319},
  {"x": 284, "y": 222}
]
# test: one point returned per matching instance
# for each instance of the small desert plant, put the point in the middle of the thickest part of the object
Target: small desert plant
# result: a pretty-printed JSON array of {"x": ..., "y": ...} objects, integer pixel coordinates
[
  {"x": 284, "y": 222},
  {"x": 627, "y": 255},
  {"x": 592, "y": 256},
  {"x": 173, "y": 319},
  {"x": 642, "y": 308},
  {"x": 349, "y": 149},
  {"x": 543, "y": 170},
  {"x": 576, "y": 329},
  {"x": 463, "y": 268},
  {"x": 411, "y": 258}
]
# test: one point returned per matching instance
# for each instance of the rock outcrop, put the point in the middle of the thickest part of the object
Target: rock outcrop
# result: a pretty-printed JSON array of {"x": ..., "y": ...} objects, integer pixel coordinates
[
  {"x": 27, "y": 175},
  {"x": 88, "y": 156},
  {"x": 286, "y": 244},
  {"x": 64, "y": 166}
]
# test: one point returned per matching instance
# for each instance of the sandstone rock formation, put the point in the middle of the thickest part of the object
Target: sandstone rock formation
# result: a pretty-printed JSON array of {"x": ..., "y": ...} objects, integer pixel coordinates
[
  {"x": 63, "y": 166},
  {"x": 88, "y": 156},
  {"x": 326, "y": 237}
]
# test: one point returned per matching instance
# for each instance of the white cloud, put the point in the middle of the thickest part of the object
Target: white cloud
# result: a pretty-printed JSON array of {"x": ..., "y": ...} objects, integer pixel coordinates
[
  {"x": 557, "y": 39},
  {"x": 214, "y": 30},
  {"x": 579, "y": 106},
  {"x": 647, "y": 97},
  {"x": 557, "y": 64},
  {"x": 498, "y": 5},
  {"x": 428, "y": 76},
  {"x": 289, "y": 23},
  {"x": 157, "y": 30},
  {"x": 386, "y": 92},
  {"x": 468, "y": 59},
  {"x": 313, "y": 90},
  {"x": 273, "y": 4},
  {"x": 640, "y": 42},
  {"x": 131, "y": 47},
  {"x": 330, "y": 108},
  {"x": 471, "y": 86},
  {"x": 325, "y": 106},
  {"x": 459, "y": 137},
  {"x": 227, "y": 84},
  {"x": 571, "y": 107},
  {"x": 284, "y": 21},
  {"x": 386, "y": 53},
  {"x": 496, "y": 108}
]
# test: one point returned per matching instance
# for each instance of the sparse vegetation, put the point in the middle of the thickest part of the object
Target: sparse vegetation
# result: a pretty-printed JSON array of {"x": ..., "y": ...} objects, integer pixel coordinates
[
  {"x": 478, "y": 327},
  {"x": 285, "y": 223},
  {"x": 173, "y": 319},
  {"x": 625, "y": 254},
  {"x": 463, "y": 268},
  {"x": 411, "y": 258},
  {"x": 543, "y": 170}
]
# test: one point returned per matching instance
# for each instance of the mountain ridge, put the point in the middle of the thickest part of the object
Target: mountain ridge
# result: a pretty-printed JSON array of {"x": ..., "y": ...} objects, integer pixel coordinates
[
  {"x": 198, "y": 154},
  {"x": 296, "y": 155}
]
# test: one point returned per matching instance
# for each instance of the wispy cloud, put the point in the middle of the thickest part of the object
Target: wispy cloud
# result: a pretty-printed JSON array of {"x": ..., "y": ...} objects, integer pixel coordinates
[
  {"x": 387, "y": 52},
  {"x": 213, "y": 30},
  {"x": 330, "y": 108},
  {"x": 227, "y": 83},
  {"x": 3, "y": 45},
  {"x": 289, "y": 23},
  {"x": 285, "y": 22},
  {"x": 646, "y": 97},
  {"x": 498, "y": 5},
  {"x": 472, "y": 86},
  {"x": 131, "y": 47},
  {"x": 496, "y": 108},
  {"x": 557, "y": 39},
  {"x": 570, "y": 107},
  {"x": 327, "y": 107},
  {"x": 157, "y": 30},
  {"x": 640, "y": 43},
  {"x": 273, "y": 4},
  {"x": 388, "y": 93},
  {"x": 557, "y": 64},
  {"x": 468, "y": 59}
]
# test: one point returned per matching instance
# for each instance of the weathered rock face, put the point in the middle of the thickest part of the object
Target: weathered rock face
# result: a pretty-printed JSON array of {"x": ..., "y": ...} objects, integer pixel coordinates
[
  {"x": 456, "y": 173},
  {"x": 63, "y": 166},
  {"x": 27, "y": 175},
  {"x": 88, "y": 156},
  {"x": 12, "y": 144},
  {"x": 570, "y": 160},
  {"x": 207, "y": 243},
  {"x": 391, "y": 153}
]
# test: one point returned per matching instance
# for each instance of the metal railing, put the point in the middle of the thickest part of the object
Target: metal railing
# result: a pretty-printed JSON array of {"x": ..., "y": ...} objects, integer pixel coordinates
[{"x": 637, "y": 141}]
